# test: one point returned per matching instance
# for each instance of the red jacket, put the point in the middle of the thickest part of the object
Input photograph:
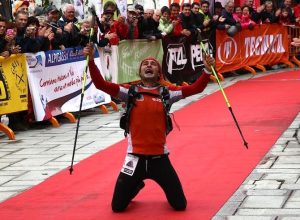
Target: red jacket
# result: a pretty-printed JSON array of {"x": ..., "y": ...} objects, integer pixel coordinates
[
  {"x": 123, "y": 32},
  {"x": 147, "y": 119}
]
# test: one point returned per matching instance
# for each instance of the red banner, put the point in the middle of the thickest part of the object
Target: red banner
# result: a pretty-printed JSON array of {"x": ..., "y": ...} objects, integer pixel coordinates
[{"x": 265, "y": 44}]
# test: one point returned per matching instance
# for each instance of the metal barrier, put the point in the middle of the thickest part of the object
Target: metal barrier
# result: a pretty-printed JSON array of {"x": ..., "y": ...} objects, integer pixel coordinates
[{"x": 294, "y": 51}]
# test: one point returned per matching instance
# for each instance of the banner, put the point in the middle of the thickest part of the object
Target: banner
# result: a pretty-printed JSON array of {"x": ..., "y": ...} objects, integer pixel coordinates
[
  {"x": 182, "y": 60},
  {"x": 13, "y": 84},
  {"x": 264, "y": 45},
  {"x": 108, "y": 62},
  {"x": 130, "y": 55},
  {"x": 55, "y": 81}
]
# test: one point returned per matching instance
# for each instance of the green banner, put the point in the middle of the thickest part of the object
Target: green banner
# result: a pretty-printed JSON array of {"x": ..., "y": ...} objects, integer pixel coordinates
[{"x": 130, "y": 55}]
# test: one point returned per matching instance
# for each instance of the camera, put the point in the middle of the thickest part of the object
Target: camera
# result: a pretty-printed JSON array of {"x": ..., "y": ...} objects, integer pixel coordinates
[
  {"x": 9, "y": 31},
  {"x": 54, "y": 26}
]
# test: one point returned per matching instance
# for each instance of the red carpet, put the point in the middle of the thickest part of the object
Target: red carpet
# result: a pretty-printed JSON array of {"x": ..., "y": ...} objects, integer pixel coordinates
[{"x": 208, "y": 154}]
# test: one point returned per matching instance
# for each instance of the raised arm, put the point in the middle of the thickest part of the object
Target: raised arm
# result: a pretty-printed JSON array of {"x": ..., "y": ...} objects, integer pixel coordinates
[
  {"x": 197, "y": 86},
  {"x": 108, "y": 87},
  {"x": 201, "y": 83}
]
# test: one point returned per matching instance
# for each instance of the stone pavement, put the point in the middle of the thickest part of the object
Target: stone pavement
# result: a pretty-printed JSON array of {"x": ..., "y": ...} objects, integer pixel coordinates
[{"x": 271, "y": 191}]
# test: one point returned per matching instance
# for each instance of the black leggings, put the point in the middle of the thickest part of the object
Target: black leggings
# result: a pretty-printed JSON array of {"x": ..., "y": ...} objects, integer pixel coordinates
[{"x": 157, "y": 168}]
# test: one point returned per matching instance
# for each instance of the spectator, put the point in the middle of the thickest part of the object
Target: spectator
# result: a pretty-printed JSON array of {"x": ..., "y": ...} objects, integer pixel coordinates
[
  {"x": 105, "y": 36},
  {"x": 156, "y": 15},
  {"x": 209, "y": 22},
  {"x": 21, "y": 19},
  {"x": 197, "y": 18},
  {"x": 30, "y": 43},
  {"x": 111, "y": 6},
  {"x": 106, "y": 21},
  {"x": 52, "y": 18},
  {"x": 20, "y": 6},
  {"x": 149, "y": 28},
  {"x": 287, "y": 4},
  {"x": 255, "y": 15},
  {"x": 139, "y": 9},
  {"x": 17, "y": 121},
  {"x": 218, "y": 8},
  {"x": 174, "y": 16},
  {"x": 237, "y": 15},
  {"x": 229, "y": 23},
  {"x": 246, "y": 21},
  {"x": 70, "y": 26},
  {"x": 165, "y": 23},
  {"x": 46, "y": 34},
  {"x": 148, "y": 13},
  {"x": 85, "y": 30},
  {"x": 53, "y": 14},
  {"x": 284, "y": 17},
  {"x": 268, "y": 14},
  {"x": 187, "y": 22},
  {"x": 34, "y": 36},
  {"x": 126, "y": 28}
]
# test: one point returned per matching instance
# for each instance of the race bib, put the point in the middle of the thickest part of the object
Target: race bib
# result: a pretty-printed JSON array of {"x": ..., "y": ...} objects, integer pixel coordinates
[{"x": 130, "y": 164}]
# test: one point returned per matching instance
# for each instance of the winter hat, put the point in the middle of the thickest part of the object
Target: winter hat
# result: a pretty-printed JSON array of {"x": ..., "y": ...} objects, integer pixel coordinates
[
  {"x": 156, "y": 61},
  {"x": 51, "y": 9},
  {"x": 18, "y": 4}
]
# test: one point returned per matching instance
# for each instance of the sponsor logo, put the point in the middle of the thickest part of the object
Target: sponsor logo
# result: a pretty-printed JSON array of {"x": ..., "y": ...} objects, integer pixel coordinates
[
  {"x": 176, "y": 57},
  {"x": 227, "y": 50},
  {"x": 260, "y": 45}
]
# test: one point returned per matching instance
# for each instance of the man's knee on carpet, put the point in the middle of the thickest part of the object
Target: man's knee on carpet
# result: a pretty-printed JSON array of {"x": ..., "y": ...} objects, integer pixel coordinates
[{"x": 179, "y": 205}]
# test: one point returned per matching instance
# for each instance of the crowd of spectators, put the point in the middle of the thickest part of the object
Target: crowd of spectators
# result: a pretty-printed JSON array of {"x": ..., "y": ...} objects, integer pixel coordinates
[{"x": 48, "y": 28}]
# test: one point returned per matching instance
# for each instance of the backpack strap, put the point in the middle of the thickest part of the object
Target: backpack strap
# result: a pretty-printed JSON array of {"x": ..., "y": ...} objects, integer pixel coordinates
[
  {"x": 165, "y": 97},
  {"x": 131, "y": 98},
  {"x": 133, "y": 94}
]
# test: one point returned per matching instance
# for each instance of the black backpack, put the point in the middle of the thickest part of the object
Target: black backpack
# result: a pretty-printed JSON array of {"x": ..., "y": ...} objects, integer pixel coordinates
[{"x": 133, "y": 94}]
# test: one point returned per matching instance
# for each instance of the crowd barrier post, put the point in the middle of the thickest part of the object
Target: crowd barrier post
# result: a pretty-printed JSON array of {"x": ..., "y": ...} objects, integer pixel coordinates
[
  {"x": 261, "y": 67},
  {"x": 9, "y": 133},
  {"x": 250, "y": 69},
  {"x": 70, "y": 116},
  {"x": 54, "y": 122},
  {"x": 114, "y": 106}
]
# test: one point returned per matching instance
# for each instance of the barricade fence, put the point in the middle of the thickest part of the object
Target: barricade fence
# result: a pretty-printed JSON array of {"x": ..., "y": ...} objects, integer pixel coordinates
[
  {"x": 294, "y": 51},
  {"x": 264, "y": 45},
  {"x": 55, "y": 77}
]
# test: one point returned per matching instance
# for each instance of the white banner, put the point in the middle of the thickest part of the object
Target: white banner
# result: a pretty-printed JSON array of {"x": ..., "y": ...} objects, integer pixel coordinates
[
  {"x": 55, "y": 81},
  {"x": 109, "y": 62}
]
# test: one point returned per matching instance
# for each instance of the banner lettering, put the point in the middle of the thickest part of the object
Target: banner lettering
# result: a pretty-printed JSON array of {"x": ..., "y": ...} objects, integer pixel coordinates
[{"x": 264, "y": 45}]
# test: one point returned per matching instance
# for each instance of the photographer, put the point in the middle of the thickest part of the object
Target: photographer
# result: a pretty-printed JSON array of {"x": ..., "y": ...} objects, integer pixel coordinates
[
  {"x": 34, "y": 36},
  {"x": 127, "y": 28},
  {"x": 52, "y": 18}
]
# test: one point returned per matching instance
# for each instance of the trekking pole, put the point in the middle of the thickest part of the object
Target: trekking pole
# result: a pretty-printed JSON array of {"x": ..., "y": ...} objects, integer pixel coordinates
[
  {"x": 225, "y": 97},
  {"x": 81, "y": 100}
]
